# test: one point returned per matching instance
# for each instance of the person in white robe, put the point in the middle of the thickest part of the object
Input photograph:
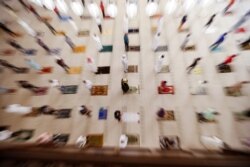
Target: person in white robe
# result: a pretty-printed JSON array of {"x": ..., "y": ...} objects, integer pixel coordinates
[
  {"x": 159, "y": 63},
  {"x": 156, "y": 41},
  {"x": 91, "y": 65},
  {"x": 98, "y": 42},
  {"x": 125, "y": 62}
]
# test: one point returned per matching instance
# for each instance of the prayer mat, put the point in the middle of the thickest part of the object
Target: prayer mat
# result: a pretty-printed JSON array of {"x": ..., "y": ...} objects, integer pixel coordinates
[
  {"x": 168, "y": 116},
  {"x": 46, "y": 70},
  {"x": 8, "y": 52},
  {"x": 94, "y": 140},
  {"x": 133, "y": 30},
  {"x": 197, "y": 71},
  {"x": 169, "y": 142},
  {"x": 132, "y": 69},
  {"x": 69, "y": 89},
  {"x": 165, "y": 69},
  {"x": 224, "y": 69},
  {"x": 60, "y": 139},
  {"x": 170, "y": 90},
  {"x": 189, "y": 48},
  {"x": 46, "y": 18},
  {"x": 216, "y": 49},
  {"x": 199, "y": 91},
  {"x": 75, "y": 70},
  {"x": 103, "y": 70},
  {"x": 60, "y": 33},
  {"x": 184, "y": 30},
  {"x": 22, "y": 70},
  {"x": 161, "y": 48},
  {"x": 230, "y": 91},
  {"x": 103, "y": 113},
  {"x": 156, "y": 16},
  {"x": 154, "y": 29},
  {"x": 63, "y": 113},
  {"x": 41, "y": 91},
  {"x": 134, "y": 48},
  {"x": 79, "y": 49},
  {"x": 22, "y": 135},
  {"x": 30, "y": 52},
  {"x": 133, "y": 139},
  {"x": 99, "y": 90},
  {"x": 133, "y": 89},
  {"x": 246, "y": 47},
  {"x": 86, "y": 17},
  {"x": 83, "y": 33},
  {"x": 107, "y": 48}
]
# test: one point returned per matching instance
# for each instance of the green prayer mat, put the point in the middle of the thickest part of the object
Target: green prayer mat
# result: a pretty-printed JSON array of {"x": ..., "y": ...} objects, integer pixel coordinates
[{"x": 107, "y": 48}]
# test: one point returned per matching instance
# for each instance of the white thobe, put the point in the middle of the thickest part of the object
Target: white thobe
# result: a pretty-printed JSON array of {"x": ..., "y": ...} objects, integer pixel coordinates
[
  {"x": 156, "y": 42},
  {"x": 88, "y": 84},
  {"x": 92, "y": 66},
  {"x": 98, "y": 42},
  {"x": 125, "y": 63},
  {"x": 158, "y": 64}
]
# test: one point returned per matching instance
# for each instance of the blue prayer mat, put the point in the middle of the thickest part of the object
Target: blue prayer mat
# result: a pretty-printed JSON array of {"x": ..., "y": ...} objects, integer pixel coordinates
[{"x": 103, "y": 112}]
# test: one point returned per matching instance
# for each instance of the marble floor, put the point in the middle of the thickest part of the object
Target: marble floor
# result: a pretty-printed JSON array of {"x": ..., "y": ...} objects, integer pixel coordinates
[{"x": 147, "y": 101}]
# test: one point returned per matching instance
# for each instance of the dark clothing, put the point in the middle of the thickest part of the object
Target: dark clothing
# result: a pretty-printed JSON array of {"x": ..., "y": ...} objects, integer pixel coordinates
[
  {"x": 125, "y": 86},
  {"x": 219, "y": 41},
  {"x": 6, "y": 29},
  {"x": 83, "y": 3},
  {"x": 117, "y": 115},
  {"x": 33, "y": 10},
  {"x": 210, "y": 21},
  {"x": 42, "y": 44},
  {"x": 17, "y": 46},
  {"x": 126, "y": 41},
  {"x": 26, "y": 85},
  {"x": 61, "y": 63},
  {"x": 52, "y": 29},
  {"x": 184, "y": 19},
  {"x": 24, "y": 4},
  {"x": 245, "y": 43},
  {"x": 192, "y": 66},
  {"x": 100, "y": 27}
]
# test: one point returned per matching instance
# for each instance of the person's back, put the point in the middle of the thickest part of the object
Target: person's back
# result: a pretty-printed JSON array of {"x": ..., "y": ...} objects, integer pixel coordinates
[{"x": 125, "y": 38}]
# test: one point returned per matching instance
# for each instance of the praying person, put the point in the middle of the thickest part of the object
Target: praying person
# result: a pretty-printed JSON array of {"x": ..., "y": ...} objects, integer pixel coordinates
[
  {"x": 52, "y": 29},
  {"x": 88, "y": 84},
  {"x": 69, "y": 42},
  {"x": 183, "y": 21},
  {"x": 156, "y": 41},
  {"x": 61, "y": 63},
  {"x": 126, "y": 41},
  {"x": 54, "y": 83},
  {"x": 34, "y": 89},
  {"x": 85, "y": 111},
  {"x": 91, "y": 65},
  {"x": 18, "y": 109},
  {"x": 200, "y": 88},
  {"x": 228, "y": 60},
  {"x": 43, "y": 45},
  {"x": 117, "y": 115},
  {"x": 193, "y": 65},
  {"x": 184, "y": 43},
  {"x": 33, "y": 10},
  {"x": 98, "y": 42},
  {"x": 238, "y": 86},
  {"x": 218, "y": 42},
  {"x": 159, "y": 63},
  {"x": 124, "y": 85},
  {"x": 15, "y": 45},
  {"x": 99, "y": 24},
  {"x": 10, "y": 66},
  {"x": 32, "y": 64},
  {"x": 245, "y": 43},
  {"x": 228, "y": 6},
  {"x": 7, "y": 30},
  {"x": 211, "y": 19},
  {"x": 125, "y": 62},
  {"x": 242, "y": 20},
  {"x": 102, "y": 9}
]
